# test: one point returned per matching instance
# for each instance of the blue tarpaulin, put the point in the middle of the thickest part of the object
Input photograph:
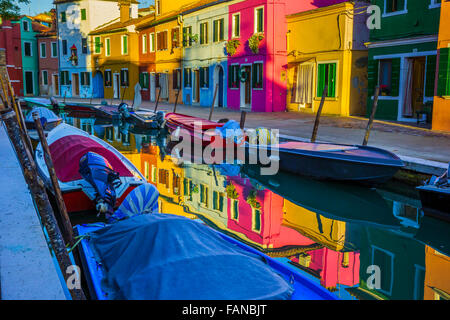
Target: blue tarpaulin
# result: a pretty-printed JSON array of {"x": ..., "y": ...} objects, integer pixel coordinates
[{"x": 168, "y": 257}]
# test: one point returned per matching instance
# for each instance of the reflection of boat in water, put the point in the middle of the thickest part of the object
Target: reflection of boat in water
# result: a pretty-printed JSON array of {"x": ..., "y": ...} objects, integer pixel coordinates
[
  {"x": 150, "y": 271},
  {"x": 332, "y": 200}
]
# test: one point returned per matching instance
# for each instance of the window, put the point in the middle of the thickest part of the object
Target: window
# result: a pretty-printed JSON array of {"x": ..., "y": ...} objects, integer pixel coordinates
[
  {"x": 435, "y": 4},
  {"x": 124, "y": 45},
  {"x": 236, "y": 31},
  {"x": 177, "y": 79},
  {"x": 443, "y": 88},
  {"x": 259, "y": 19},
  {"x": 83, "y": 14},
  {"x": 124, "y": 78},
  {"x": 218, "y": 30},
  {"x": 218, "y": 200},
  {"x": 108, "y": 78},
  {"x": 84, "y": 46},
  {"x": 97, "y": 45},
  {"x": 144, "y": 80},
  {"x": 63, "y": 17},
  {"x": 385, "y": 261},
  {"x": 26, "y": 26},
  {"x": 64, "y": 47},
  {"x": 158, "y": 7},
  {"x": 187, "y": 36},
  {"x": 28, "y": 49},
  {"x": 45, "y": 77},
  {"x": 204, "y": 33},
  {"x": 257, "y": 76},
  {"x": 233, "y": 76},
  {"x": 144, "y": 43},
  {"x": 176, "y": 37},
  {"x": 54, "y": 50},
  {"x": 204, "y": 77},
  {"x": 108, "y": 47},
  {"x": 235, "y": 209},
  {"x": 394, "y": 6},
  {"x": 326, "y": 76},
  {"x": 152, "y": 42},
  {"x": 187, "y": 77},
  {"x": 85, "y": 78},
  {"x": 385, "y": 76},
  {"x": 256, "y": 220},
  {"x": 43, "y": 50},
  {"x": 154, "y": 173},
  {"x": 65, "y": 78},
  {"x": 204, "y": 190},
  {"x": 161, "y": 41}
]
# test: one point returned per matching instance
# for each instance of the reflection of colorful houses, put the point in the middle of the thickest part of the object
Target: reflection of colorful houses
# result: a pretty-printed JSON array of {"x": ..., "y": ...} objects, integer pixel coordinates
[
  {"x": 441, "y": 106},
  {"x": 256, "y": 216},
  {"x": 437, "y": 277},
  {"x": 336, "y": 262},
  {"x": 401, "y": 263},
  {"x": 326, "y": 46}
]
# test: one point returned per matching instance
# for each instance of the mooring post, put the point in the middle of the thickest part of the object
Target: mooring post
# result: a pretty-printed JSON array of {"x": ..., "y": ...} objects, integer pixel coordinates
[
  {"x": 372, "y": 116},
  {"x": 41, "y": 201},
  {"x": 319, "y": 112},
  {"x": 64, "y": 217},
  {"x": 157, "y": 100},
  {"x": 176, "y": 102},
  {"x": 213, "y": 103},
  {"x": 242, "y": 122}
]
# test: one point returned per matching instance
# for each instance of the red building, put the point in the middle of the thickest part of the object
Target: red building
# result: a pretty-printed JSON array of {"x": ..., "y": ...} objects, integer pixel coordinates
[{"x": 10, "y": 45}]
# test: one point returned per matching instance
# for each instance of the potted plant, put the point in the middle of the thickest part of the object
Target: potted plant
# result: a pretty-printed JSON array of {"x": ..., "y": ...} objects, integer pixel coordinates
[
  {"x": 232, "y": 46},
  {"x": 254, "y": 41},
  {"x": 231, "y": 191},
  {"x": 251, "y": 199}
]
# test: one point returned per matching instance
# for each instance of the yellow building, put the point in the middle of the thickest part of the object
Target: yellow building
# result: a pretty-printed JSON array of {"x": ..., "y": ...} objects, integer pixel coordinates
[
  {"x": 326, "y": 47},
  {"x": 437, "y": 278},
  {"x": 115, "y": 55}
]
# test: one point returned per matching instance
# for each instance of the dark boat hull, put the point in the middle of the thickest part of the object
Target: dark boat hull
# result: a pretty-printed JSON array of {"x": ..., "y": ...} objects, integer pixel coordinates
[
  {"x": 47, "y": 127},
  {"x": 435, "y": 202}
]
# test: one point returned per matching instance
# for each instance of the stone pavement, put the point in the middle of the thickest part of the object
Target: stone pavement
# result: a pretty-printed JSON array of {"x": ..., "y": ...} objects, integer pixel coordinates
[
  {"x": 27, "y": 271},
  {"x": 408, "y": 141}
]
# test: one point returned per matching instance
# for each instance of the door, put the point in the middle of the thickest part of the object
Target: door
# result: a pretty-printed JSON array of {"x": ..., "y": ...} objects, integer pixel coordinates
[
  {"x": 196, "y": 93},
  {"x": 29, "y": 85},
  {"x": 246, "y": 88},
  {"x": 98, "y": 90},
  {"x": 116, "y": 84},
  {"x": 55, "y": 85},
  {"x": 152, "y": 87},
  {"x": 418, "y": 83},
  {"x": 75, "y": 84}
]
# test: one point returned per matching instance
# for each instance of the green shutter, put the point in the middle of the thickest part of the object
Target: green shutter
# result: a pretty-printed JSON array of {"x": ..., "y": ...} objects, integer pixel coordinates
[
  {"x": 215, "y": 23},
  {"x": 444, "y": 72},
  {"x": 431, "y": 76},
  {"x": 321, "y": 79},
  {"x": 97, "y": 44},
  {"x": 260, "y": 20},
  {"x": 254, "y": 72},
  {"x": 332, "y": 80},
  {"x": 372, "y": 71},
  {"x": 141, "y": 80},
  {"x": 221, "y": 30},
  {"x": 215, "y": 200},
  {"x": 83, "y": 74},
  {"x": 83, "y": 14},
  {"x": 63, "y": 16},
  {"x": 395, "y": 78}
]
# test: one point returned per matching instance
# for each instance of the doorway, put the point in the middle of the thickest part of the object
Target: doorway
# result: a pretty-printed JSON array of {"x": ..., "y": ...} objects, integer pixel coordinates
[
  {"x": 98, "y": 90},
  {"x": 29, "y": 85},
  {"x": 218, "y": 80},
  {"x": 196, "y": 93},
  {"x": 55, "y": 84},
  {"x": 116, "y": 84},
  {"x": 152, "y": 87},
  {"x": 246, "y": 88},
  {"x": 75, "y": 84},
  {"x": 414, "y": 85}
]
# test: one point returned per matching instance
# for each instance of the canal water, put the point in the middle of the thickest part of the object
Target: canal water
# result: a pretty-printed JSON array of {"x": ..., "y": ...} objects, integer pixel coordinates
[{"x": 357, "y": 242}]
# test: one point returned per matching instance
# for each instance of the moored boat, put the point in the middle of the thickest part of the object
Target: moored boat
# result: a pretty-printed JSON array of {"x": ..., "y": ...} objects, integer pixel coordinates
[
  {"x": 68, "y": 146},
  {"x": 49, "y": 119},
  {"x": 326, "y": 161},
  {"x": 211, "y": 265},
  {"x": 50, "y": 103},
  {"x": 142, "y": 118}
]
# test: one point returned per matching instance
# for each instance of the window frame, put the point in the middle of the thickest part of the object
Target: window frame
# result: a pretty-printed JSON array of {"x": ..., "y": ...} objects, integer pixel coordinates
[
  {"x": 233, "y": 26},
  {"x": 204, "y": 29},
  {"x": 255, "y": 19},
  {"x": 27, "y": 23},
  {"x": 54, "y": 45},
  {"x": 189, "y": 83},
  {"x": 83, "y": 15},
  {"x": 434, "y": 4},
  {"x": 336, "y": 62},
  {"x": 84, "y": 46},
  {"x": 218, "y": 36},
  {"x": 43, "y": 53},
  {"x": 24, "y": 49},
  {"x": 152, "y": 42},
  {"x": 127, "y": 73},
  {"x": 262, "y": 75},
  {"x": 144, "y": 44},
  {"x": 122, "y": 46},
  {"x": 107, "y": 47},
  {"x": 46, "y": 78},
  {"x": 394, "y": 13},
  {"x": 108, "y": 84},
  {"x": 99, "y": 45}
]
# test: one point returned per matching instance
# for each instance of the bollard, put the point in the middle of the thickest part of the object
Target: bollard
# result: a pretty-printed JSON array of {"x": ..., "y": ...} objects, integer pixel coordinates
[
  {"x": 319, "y": 112},
  {"x": 213, "y": 103},
  {"x": 372, "y": 116}
]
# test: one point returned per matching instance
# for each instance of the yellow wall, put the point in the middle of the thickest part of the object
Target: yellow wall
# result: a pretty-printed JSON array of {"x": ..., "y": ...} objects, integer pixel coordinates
[
  {"x": 313, "y": 37},
  {"x": 305, "y": 221},
  {"x": 441, "y": 106},
  {"x": 437, "y": 266},
  {"x": 168, "y": 6}
]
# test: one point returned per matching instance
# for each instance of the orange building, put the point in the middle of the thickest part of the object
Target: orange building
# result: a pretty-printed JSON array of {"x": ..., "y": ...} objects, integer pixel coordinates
[
  {"x": 437, "y": 277},
  {"x": 441, "y": 106}
]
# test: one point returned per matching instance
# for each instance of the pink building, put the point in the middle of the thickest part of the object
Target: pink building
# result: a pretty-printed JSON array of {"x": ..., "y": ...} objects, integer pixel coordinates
[
  {"x": 261, "y": 225},
  {"x": 257, "y": 78},
  {"x": 11, "y": 45}
]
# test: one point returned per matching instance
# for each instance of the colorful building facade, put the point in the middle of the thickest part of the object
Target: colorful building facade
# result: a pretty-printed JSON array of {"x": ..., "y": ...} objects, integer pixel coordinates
[
  {"x": 30, "y": 68},
  {"x": 326, "y": 46},
  {"x": 11, "y": 54},
  {"x": 402, "y": 59},
  {"x": 441, "y": 106}
]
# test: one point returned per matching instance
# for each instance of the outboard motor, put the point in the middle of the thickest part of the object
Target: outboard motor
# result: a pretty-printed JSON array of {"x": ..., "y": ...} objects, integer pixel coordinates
[
  {"x": 96, "y": 170},
  {"x": 160, "y": 118},
  {"x": 124, "y": 111}
]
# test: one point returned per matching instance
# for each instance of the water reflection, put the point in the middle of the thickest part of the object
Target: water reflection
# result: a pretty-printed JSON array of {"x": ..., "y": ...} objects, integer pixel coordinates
[{"x": 333, "y": 233}]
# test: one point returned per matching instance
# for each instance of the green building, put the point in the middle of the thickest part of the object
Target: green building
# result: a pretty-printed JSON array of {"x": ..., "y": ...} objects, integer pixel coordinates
[{"x": 402, "y": 58}]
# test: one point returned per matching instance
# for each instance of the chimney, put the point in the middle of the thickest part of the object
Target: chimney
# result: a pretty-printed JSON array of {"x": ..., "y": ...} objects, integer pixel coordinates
[{"x": 125, "y": 8}]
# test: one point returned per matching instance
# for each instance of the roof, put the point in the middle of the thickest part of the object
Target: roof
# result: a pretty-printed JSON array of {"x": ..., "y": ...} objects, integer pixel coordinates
[
  {"x": 66, "y": 1},
  {"x": 38, "y": 27},
  {"x": 43, "y": 17},
  {"x": 116, "y": 26}
]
